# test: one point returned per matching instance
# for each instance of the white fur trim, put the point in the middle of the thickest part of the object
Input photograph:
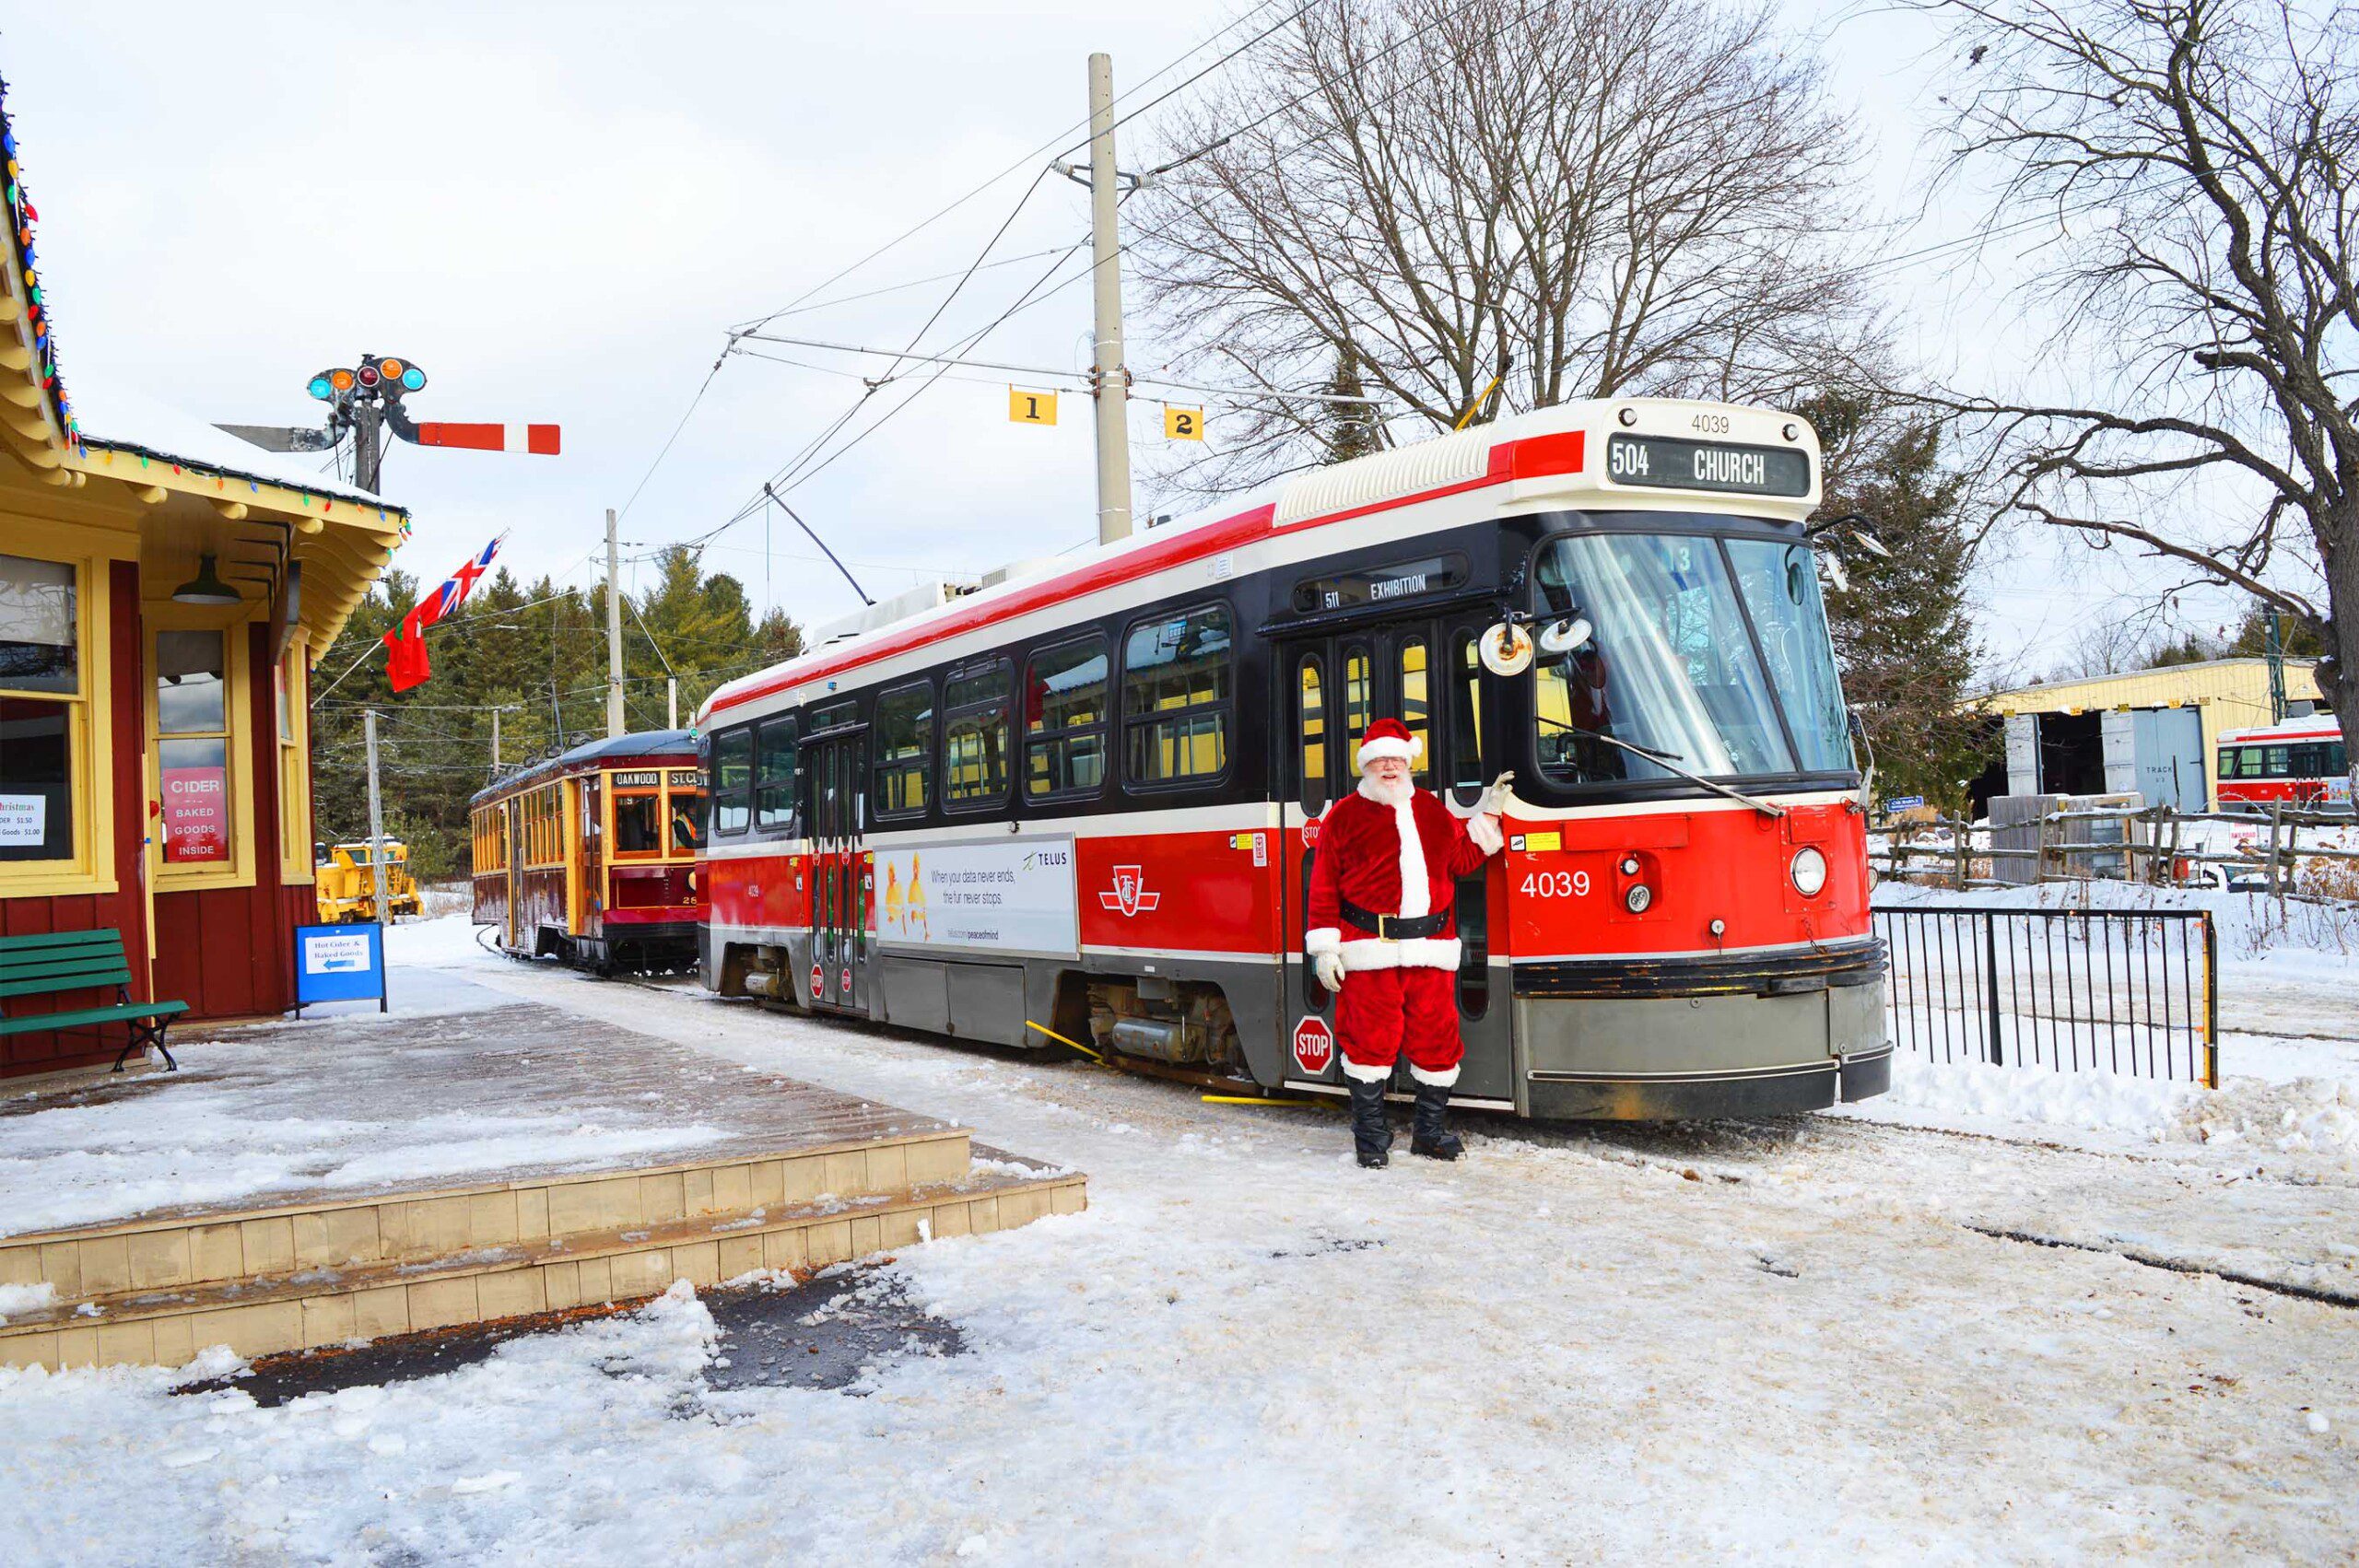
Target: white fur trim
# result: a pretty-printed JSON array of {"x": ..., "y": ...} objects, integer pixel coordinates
[
  {"x": 1416, "y": 893},
  {"x": 1483, "y": 829},
  {"x": 1371, "y": 952},
  {"x": 1407, "y": 751},
  {"x": 1446, "y": 1079},
  {"x": 1430, "y": 952},
  {"x": 1365, "y": 1075},
  {"x": 1326, "y": 938}
]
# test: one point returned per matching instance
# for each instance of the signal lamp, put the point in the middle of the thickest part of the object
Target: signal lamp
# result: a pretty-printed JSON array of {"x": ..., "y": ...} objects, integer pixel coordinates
[
  {"x": 367, "y": 375},
  {"x": 322, "y": 388},
  {"x": 390, "y": 368},
  {"x": 340, "y": 380},
  {"x": 1639, "y": 897},
  {"x": 412, "y": 378}
]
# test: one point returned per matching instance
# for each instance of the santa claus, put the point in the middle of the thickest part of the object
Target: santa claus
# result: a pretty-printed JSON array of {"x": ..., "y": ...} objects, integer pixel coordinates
[{"x": 1384, "y": 938}]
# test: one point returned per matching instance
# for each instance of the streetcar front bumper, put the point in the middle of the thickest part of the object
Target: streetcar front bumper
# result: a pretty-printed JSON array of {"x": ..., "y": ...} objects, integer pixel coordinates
[{"x": 1681, "y": 1038}]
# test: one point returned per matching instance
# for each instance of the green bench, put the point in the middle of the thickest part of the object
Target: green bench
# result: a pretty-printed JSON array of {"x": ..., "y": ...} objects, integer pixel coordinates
[{"x": 79, "y": 961}]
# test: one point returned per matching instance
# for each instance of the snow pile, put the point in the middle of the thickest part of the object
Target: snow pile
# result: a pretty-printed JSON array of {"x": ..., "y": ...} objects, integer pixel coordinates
[
  {"x": 2103, "y": 1102},
  {"x": 2308, "y": 1115},
  {"x": 26, "y": 1298}
]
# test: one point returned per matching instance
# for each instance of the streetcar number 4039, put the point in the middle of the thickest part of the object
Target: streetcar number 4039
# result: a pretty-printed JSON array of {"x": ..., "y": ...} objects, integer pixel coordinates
[{"x": 1555, "y": 884}]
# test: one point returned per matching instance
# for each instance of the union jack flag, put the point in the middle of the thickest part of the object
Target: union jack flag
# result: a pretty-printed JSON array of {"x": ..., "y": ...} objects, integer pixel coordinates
[{"x": 406, "y": 661}]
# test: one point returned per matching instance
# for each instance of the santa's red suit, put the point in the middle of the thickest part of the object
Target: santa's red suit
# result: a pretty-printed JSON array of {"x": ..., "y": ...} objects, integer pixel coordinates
[{"x": 1381, "y": 888}]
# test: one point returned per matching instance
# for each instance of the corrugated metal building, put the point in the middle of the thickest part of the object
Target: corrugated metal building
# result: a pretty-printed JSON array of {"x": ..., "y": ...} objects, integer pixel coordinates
[{"x": 2155, "y": 731}]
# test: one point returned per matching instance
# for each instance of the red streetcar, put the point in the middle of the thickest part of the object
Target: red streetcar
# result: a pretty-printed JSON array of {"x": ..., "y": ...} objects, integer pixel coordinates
[
  {"x": 1083, "y": 802},
  {"x": 2302, "y": 762},
  {"x": 590, "y": 857}
]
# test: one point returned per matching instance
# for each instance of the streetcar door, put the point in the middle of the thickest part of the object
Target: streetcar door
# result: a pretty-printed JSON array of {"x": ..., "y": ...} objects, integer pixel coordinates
[
  {"x": 511, "y": 817},
  {"x": 840, "y": 872}
]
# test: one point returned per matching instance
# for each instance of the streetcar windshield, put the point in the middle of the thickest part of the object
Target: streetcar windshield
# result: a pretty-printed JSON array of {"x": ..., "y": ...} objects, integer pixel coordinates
[{"x": 1672, "y": 661}]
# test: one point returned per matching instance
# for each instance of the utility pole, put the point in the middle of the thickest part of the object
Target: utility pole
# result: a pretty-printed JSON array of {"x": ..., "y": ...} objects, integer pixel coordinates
[
  {"x": 495, "y": 742},
  {"x": 671, "y": 702},
  {"x": 613, "y": 631},
  {"x": 2276, "y": 651},
  {"x": 376, "y": 844},
  {"x": 1109, "y": 378}
]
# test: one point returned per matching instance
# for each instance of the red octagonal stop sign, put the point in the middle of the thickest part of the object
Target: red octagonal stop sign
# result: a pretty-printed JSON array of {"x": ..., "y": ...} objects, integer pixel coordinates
[{"x": 1314, "y": 1046}]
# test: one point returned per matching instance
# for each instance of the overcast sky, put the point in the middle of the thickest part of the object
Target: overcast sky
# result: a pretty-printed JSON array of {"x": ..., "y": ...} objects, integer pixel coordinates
[{"x": 556, "y": 210}]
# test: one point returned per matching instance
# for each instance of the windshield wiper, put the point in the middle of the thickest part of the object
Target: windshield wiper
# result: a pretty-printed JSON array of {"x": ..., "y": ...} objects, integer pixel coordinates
[{"x": 1667, "y": 760}]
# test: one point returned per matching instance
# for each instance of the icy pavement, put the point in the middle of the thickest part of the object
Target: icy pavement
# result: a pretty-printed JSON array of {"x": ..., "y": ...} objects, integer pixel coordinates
[{"x": 1793, "y": 1341}]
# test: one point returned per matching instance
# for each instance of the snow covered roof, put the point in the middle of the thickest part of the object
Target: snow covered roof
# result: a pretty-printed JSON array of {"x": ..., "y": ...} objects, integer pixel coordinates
[{"x": 116, "y": 415}]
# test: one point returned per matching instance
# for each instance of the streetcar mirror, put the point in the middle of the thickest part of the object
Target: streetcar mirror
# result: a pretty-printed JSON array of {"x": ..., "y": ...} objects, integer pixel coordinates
[
  {"x": 1564, "y": 635},
  {"x": 1505, "y": 649},
  {"x": 1835, "y": 572}
]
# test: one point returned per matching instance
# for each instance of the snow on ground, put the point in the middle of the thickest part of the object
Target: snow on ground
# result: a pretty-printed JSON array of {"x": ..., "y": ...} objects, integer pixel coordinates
[{"x": 1804, "y": 1340}]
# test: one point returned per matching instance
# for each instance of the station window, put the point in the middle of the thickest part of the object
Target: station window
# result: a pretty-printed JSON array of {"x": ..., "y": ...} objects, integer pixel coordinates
[
  {"x": 774, "y": 781},
  {"x": 974, "y": 736},
  {"x": 44, "y": 709},
  {"x": 733, "y": 781},
  {"x": 1417, "y": 705},
  {"x": 1176, "y": 697},
  {"x": 291, "y": 683},
  {"x": 904, "y": 748},
  {"x": 1064, "y": 719},
  {"x": 193, "y": 736}
]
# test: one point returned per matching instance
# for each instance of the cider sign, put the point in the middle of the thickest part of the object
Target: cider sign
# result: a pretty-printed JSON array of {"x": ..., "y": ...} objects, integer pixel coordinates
[{"x": 196, "y": 816}]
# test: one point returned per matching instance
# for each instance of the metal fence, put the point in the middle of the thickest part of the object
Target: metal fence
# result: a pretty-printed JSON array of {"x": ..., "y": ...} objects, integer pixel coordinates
[{"x": 2128, "y": 991}]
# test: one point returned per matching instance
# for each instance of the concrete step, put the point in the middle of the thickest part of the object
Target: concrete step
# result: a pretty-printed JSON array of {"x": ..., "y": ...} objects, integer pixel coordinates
[
  {"x": 299, "y": 1305},
  {"x": 199, "y": 1246}
]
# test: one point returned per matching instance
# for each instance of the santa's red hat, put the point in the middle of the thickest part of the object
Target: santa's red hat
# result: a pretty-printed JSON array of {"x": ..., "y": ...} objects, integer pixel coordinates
[{"x": 1389, "y": 737}]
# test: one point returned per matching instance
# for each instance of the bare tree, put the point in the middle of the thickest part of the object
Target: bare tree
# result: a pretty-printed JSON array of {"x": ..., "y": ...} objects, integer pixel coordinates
[
  {"x": 1573, "y": 198},
  {"x": 2200, "y": 156}
]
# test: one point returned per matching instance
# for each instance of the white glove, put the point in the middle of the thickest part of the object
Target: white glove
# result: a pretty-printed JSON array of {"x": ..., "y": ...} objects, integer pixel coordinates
[
  {"x": 1494, "y": 799},
  {"x": 1329, "y": 967}
]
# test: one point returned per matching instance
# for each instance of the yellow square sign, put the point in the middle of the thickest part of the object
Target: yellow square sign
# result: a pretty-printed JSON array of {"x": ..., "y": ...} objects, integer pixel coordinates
[
  {"x": 1183, "y": 424},
  {"x": 1031, "y": 407}
]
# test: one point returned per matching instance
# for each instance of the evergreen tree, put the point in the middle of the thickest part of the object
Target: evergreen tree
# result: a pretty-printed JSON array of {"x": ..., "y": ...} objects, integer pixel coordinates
[{"x": 1902, "y": 634}]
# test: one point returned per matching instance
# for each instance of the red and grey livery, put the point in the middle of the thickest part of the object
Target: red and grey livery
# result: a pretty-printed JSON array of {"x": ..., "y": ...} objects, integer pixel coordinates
[{"x": 1083, "y": 802}]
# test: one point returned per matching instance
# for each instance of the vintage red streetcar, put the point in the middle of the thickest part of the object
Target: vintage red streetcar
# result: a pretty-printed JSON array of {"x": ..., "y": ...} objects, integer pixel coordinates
[
  {"x": 1083, "y": 801},
  {"x": 2302, "y": 762},
  {"x": 590, "y": 857}
]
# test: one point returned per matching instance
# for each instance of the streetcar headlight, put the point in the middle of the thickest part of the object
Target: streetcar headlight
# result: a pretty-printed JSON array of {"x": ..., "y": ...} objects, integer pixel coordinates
[
  {"x": 1639, "y": 897},
  {"x": 1809, "y": 872}
]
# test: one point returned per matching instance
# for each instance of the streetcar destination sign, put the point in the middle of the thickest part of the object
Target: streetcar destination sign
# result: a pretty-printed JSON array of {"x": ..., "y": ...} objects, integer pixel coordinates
[{"x": 1668, "y": 463}]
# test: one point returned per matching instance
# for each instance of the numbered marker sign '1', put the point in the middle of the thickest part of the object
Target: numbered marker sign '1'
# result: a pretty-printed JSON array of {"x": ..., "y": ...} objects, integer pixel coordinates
[
  {"x": 1031, "y": 407},
  {"x": 1183, "y": 424}
]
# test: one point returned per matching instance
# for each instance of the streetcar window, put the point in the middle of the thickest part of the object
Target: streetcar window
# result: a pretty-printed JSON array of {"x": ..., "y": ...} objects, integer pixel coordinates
[
  {"x": 1668, "y": 664},
  {"x": 732, "y": 780},
  {"x": 1310, "y": 719},
  {"x": 1064, "y": 719},
  {"x": 687, "y": 819},
  {"x": 1359, "y": 701},
  {"x": 2338, "y": 759},
  {"x": 904, "y": 748},
  {"x": 2227, "y": 762},
  {"x": 1175, "y": 697},
  {"x": 2281, "y": 762},
  {"x": 1466, "y": 716},
  {"x": 1780, "y": 586},
  {"x": 1418, "y": 706},
  {"x": 838, "y": 713},
  {"x": 974, "y": 736},
  {"x": 774, "y": 783},
  {"x": 638, "y": 824}
]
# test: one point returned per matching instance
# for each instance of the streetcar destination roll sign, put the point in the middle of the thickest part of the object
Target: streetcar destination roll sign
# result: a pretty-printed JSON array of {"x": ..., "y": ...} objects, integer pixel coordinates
[{"x": 1668, "y": 463}]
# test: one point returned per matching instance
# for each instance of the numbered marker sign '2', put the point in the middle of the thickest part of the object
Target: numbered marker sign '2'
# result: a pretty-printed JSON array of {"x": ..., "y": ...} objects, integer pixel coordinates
[
  {"x": 1031, "y": 407},
  {"x": 1183, "y": 424}
]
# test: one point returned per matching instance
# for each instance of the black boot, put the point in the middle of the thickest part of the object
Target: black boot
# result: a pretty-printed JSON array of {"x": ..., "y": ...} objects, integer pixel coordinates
[
  {"x": 1371, "y": 1133},
  {"x": 1427, "y": 1136}
]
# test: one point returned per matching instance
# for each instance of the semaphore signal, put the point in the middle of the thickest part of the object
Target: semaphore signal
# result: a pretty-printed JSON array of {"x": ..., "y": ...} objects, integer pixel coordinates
[{"x": 366, "y": 398}]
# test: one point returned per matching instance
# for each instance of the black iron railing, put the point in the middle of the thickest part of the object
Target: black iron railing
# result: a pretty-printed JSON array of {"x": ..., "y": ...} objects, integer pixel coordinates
[{"x": 2128, "y": 991}]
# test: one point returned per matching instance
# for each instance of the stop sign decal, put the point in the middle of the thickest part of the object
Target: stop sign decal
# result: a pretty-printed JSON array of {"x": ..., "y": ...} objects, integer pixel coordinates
[
  {"x": 1314, "y": 1046},
  {"x": 818, "y": 981}
]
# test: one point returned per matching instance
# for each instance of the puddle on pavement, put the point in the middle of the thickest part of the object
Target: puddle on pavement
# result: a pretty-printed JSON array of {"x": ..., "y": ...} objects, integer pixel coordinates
[{"x": 821, "y": 1334}]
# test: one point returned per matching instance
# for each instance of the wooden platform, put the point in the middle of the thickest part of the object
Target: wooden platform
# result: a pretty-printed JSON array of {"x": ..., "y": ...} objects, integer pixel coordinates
[{"x": 795, "y": 1178}]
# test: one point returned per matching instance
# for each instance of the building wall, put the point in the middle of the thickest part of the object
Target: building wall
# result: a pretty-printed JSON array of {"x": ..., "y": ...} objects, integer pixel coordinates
[{"x": 2228, "y": 694}]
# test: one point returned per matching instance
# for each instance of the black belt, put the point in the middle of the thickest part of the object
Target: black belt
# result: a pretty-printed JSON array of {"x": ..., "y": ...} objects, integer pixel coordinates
[{"x": 1395, "y": 927}]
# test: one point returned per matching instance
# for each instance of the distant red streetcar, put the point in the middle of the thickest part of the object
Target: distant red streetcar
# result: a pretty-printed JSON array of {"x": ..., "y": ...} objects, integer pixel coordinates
[
  {"x": 590, "y": 857},
  {"x": 2302, "y": 762},
  {"x": 1083, "y": 802}
]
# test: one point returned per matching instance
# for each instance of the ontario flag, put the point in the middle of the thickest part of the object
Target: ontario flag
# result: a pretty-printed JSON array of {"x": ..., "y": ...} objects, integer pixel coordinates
[{"x": 406, "y": 665}]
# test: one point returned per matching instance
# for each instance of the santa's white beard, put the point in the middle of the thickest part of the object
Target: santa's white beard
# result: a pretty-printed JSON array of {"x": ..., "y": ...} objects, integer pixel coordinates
[{"x": 1386, "y": 792}]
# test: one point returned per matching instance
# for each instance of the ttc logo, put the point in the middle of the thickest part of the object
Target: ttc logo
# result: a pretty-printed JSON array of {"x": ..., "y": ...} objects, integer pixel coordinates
[{"x": 1129, "y": 895}]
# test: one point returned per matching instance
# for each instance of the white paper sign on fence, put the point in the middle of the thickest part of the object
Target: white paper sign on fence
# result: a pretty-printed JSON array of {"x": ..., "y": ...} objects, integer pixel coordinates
[
  {"x": 24, "y": 820},
  {"x": 1007, "y": 894}
]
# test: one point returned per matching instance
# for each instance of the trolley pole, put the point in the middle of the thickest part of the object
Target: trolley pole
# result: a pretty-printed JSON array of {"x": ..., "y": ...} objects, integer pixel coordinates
[
  {"x": 671, "y": 702},
  {"x": 376, "y": 846},
  {"x": 1109, "y": 378},
  {"x": 613, "y": 631}
]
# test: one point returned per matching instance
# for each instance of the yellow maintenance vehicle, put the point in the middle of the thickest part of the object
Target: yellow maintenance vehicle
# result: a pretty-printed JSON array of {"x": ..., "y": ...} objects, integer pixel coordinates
[{"x": 346, "y": 887}]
